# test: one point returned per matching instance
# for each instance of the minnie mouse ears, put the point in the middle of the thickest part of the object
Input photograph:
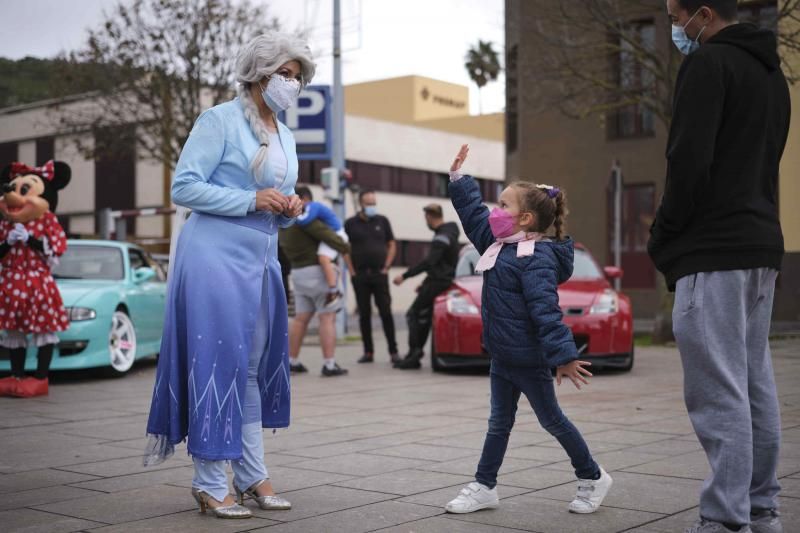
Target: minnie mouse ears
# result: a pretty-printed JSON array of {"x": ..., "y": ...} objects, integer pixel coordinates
[{"x": 56, "y": 173}]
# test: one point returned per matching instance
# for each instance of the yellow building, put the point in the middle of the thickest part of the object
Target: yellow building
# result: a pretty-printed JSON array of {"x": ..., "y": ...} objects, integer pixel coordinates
[{"x": 423, "y": 102}]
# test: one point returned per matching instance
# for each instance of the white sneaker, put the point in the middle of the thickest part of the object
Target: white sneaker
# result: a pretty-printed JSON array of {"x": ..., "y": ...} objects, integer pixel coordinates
[
  {"x": 473, "y": 497},
  {"x": 591, "y": 493}
]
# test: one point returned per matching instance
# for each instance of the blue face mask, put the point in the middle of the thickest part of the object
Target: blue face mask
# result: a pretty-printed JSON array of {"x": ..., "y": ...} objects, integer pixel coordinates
[
  {"x": 370, "y": 211},
  {"x": 682, "y": 41}
]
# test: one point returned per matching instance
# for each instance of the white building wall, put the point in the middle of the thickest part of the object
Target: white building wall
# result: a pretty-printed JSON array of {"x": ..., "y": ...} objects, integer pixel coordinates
[
  {"x": 368, "y": 140},
  {"x": 26, "y": 152},
  {"x": 149, "y": 193},
  {"x": 79, "y": 195},
  {"x": 401, "y": 145}
]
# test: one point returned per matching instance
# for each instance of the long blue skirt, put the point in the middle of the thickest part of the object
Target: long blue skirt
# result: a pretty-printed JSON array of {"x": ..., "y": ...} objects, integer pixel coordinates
[{"x": 214, "y": 297}]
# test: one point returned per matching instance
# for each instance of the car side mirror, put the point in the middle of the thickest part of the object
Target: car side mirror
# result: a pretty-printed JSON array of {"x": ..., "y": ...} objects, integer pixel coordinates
[
  {"x": 613, "y": 272},
  {"x": 142, "y": 274}
]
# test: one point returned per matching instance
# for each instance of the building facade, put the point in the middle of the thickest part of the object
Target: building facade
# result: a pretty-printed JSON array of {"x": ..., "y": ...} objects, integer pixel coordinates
[
  {"x": 544, "y": 145},
  {"x": 401, "y": 136}
]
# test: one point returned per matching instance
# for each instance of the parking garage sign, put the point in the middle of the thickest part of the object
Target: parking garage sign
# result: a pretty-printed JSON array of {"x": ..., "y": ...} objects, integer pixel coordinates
[{"x": 310, "y": 121}]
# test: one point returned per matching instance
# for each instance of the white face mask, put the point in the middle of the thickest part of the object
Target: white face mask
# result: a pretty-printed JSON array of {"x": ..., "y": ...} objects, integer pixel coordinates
[
  {"x": 281, "y": 93},
  {"x": 682, "y": 41}
]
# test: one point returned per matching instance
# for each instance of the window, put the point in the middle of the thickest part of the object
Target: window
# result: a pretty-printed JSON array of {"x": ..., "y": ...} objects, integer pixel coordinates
[
  {"x": 45, "y": 150},
  {"x": 638, "y": 211},
  {"x": 137, "y": 259},
  {"x": 409, "y": 253},
  {"x": 584, "y": 266},
  {"x": 763, "y": 14},
  {"x": 634, "y": 79},
  {"x": 140, "y": 259},
  {"x": 90, "y": 262},
  {"x": 8, "y": 153}
]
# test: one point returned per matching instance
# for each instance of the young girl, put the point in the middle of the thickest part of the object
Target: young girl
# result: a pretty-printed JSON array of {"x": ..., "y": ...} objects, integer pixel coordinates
[{"x": 523, "y": 330}]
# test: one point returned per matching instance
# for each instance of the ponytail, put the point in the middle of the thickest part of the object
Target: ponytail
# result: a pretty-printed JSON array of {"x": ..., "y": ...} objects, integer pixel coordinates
[
  {"x": 560, "y": 221},
  {"x": 259, "y": 130}
]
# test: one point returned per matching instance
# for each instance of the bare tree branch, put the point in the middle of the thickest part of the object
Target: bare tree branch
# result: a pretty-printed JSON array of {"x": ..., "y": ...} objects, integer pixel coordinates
[
  {"x": 156, "y": 61},
  {"x": 605, "y": 56}
]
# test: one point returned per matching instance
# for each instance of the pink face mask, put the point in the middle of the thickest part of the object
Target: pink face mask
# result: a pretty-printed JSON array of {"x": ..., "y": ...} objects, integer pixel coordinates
[{"x": 501, "y": 222}]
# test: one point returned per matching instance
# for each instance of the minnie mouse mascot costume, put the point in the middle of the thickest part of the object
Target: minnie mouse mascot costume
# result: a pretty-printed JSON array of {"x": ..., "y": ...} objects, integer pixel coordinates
[{"x": 31, "y": 240}]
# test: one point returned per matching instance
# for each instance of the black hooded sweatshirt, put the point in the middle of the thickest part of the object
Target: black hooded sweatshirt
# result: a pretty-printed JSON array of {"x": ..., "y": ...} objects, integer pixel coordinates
[
  {"x": 440, "y": 263},
  {"x": 729, "y": 128}
]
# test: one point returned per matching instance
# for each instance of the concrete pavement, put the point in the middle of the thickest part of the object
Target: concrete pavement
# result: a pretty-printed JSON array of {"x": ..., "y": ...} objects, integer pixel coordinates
[{"x": 378, "y": 450}]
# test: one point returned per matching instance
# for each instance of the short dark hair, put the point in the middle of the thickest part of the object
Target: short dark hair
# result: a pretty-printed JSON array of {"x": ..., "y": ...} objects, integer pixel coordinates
[
  {"x": 303, "y": 192},
  {"x": 727, "y": 9},
  {"x": 363, "y": 192},
  {"x": 434, "y": 210}
]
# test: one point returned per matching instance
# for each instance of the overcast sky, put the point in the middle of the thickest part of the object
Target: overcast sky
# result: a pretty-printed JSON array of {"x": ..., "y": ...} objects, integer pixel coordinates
[{"x": 381, "y": 38}]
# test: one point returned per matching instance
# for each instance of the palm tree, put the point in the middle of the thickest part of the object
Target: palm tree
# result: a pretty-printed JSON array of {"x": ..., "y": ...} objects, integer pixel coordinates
[{"x": 483, "y": 65}]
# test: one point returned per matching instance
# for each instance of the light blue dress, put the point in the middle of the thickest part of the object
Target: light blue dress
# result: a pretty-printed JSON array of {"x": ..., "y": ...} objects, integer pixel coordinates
[{"x": 225, "y": 295}]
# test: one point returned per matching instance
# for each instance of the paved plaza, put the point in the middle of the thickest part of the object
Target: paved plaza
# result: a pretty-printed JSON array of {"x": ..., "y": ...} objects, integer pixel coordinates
[{"x": 378, "y": 450}]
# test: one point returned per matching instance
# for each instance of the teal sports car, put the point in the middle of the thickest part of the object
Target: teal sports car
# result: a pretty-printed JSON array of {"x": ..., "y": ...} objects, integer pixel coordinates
[{"x": 114, "y": 293}]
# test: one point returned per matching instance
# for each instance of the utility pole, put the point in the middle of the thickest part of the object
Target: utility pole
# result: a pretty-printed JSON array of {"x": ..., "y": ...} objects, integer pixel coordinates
[
  {"x": 616, "y": 177},
  {"x": 337, "y": 144}
]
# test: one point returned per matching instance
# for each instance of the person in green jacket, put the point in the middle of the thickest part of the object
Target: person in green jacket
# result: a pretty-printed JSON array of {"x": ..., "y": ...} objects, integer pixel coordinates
[{"x": 300, "y": 244}]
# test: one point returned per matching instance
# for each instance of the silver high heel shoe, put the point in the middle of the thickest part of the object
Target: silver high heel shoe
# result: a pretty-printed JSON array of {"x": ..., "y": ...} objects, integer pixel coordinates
[
  {"x": 228, "y": 511},
  {"x": 268, "y": 503}
]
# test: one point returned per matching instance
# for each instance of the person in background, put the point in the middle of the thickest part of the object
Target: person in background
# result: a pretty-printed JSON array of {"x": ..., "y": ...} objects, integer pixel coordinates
[
  {"x": 326, "y": 255},
  {"x": 311, "y": 291},
  {"x": 373, "y": 252},
  {"x": 440, "y": 266}
]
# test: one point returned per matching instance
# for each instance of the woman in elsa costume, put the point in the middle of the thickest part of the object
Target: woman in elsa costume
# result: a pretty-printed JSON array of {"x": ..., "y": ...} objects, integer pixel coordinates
[{"x": 223, "y": 368}]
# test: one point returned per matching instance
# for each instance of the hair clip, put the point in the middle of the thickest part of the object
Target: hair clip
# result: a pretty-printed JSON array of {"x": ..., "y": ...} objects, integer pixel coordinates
[{"x": 552, "y": 192}]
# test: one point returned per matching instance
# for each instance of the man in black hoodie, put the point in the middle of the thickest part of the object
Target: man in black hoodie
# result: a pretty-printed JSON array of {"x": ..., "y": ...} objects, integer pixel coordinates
[
  {"x": 440, "y": 265},
  {"x": 717, "y": 239}
]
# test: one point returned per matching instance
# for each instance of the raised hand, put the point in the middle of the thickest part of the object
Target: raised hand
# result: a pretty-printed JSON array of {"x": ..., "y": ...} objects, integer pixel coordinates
[
  {"x": 575, "y": 372},
  {"x": 460, "y": 158}
]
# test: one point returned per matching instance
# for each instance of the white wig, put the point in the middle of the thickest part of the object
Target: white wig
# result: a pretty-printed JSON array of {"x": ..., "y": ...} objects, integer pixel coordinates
[{"x": 259, "y": 58}]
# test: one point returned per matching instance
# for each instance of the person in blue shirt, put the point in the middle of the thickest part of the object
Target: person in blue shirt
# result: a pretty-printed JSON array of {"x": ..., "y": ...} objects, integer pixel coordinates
[
  {"x": 223, "y": 369},
  {"x": 327, "y": 255}
]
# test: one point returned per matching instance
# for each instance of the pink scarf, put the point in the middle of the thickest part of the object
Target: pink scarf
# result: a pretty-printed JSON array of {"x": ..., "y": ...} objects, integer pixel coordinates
[{"x": 526, "y": 243}]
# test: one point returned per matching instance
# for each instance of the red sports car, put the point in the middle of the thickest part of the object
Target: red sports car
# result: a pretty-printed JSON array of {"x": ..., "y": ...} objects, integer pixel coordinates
[{"x": 600, "y": 317}]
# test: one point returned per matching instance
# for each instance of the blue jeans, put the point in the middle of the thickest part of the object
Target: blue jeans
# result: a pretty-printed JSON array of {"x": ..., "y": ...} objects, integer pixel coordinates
[
  {"x": 507, "y": 384},
  {"x": 210, "y": 476}
]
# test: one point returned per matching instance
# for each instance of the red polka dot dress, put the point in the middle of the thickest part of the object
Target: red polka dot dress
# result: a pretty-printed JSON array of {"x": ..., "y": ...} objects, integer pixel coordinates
[{"x": 29, "y": 297}]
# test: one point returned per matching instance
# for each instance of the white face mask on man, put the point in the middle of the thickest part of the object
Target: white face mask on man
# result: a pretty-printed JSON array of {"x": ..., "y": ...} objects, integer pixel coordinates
[
  {"x": 280, "y": 93},
  {"x": 682, "y": 41}
]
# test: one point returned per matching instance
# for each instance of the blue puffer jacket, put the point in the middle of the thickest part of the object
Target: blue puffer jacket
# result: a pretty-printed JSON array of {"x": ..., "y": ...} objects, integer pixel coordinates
[{"x": 521, "y": 317}]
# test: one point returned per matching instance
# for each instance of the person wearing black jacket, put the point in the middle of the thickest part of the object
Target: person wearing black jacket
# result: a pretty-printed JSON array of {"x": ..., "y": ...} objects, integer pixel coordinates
[
  {"x": 717, "y": 239},
  {"x": 440, "y": 265}
]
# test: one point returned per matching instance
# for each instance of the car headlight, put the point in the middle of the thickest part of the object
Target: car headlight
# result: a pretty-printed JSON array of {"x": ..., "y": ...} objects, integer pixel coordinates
[
  {"x": 606, "y": 303},
  {"x": 77, "y": 314},
  {"x": 459, "y": 304}
]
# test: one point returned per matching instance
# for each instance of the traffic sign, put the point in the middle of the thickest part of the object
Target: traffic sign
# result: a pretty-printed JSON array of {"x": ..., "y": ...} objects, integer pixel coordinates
[{"x": 310, "y": 121}]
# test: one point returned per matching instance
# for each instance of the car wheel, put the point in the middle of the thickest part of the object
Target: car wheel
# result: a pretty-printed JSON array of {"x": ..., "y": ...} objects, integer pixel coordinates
[
  {"x": 121, "y": 343},
  {"x": 629, "y": 366}
]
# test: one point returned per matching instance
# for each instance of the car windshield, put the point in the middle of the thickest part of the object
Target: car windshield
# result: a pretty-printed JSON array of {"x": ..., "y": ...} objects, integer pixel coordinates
[
  {"x": 466, "y": 265},
  {"x": 584, "y": 267},
  {"x": 90, "y": 262}
]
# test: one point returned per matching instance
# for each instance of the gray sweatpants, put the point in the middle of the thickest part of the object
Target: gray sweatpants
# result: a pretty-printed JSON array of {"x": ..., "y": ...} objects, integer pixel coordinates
[{"x": 721, "y": 323}]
